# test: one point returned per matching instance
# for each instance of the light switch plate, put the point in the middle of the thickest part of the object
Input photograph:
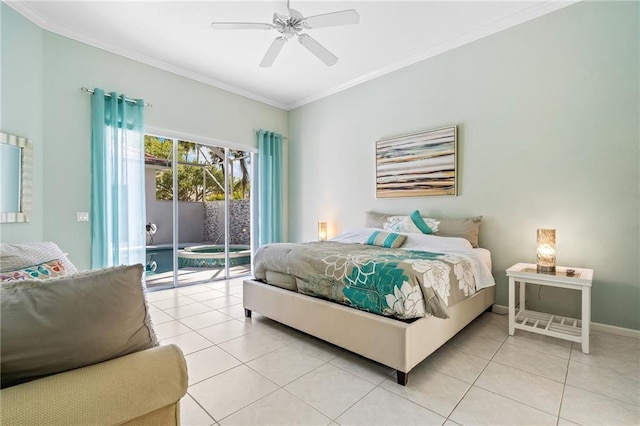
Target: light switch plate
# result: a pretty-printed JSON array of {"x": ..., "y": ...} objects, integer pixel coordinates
[{"x": 82, "y": 216}]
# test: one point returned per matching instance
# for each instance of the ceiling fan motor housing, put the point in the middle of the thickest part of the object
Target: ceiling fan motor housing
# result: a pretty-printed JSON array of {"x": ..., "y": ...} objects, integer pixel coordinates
[{"x": 288, "y": 25}]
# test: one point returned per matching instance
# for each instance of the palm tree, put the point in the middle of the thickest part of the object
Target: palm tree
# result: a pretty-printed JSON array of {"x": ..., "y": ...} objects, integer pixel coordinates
[
  {"x": 200, "y": 175},
  {"x": 241, "y": 156}
]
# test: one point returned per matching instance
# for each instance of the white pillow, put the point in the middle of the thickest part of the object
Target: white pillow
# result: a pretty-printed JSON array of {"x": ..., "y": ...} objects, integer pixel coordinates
[
  {"x": 19, "y": 256},
  {"x": 434, "y": 243},
  {"x": 359, "y": 236}
]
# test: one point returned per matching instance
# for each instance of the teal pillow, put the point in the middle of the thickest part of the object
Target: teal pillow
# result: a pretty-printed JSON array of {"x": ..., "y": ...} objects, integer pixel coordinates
[
  {"x": 386, "y": 239},
  {"x": 420, "y": 223}
]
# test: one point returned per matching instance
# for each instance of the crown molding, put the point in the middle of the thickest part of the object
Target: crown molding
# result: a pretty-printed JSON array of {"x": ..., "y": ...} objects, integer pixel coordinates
[
  {"x": 537, "y": 10},
  {"x": 25, "y": 10},
  {"x": 512, "y": 20}
]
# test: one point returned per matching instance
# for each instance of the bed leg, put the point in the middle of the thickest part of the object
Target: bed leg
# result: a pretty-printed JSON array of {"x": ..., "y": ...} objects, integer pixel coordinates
[
  {"x": 403, "y": 377},
  {"x": 247, "y": 313},
  {"x": 489, "y": 309}
]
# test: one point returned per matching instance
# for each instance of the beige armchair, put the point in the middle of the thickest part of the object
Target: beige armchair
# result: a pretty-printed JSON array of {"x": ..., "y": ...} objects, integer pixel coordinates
[
  {"x": 79, "y": 348},
  {"x": 142, "y": 388}
]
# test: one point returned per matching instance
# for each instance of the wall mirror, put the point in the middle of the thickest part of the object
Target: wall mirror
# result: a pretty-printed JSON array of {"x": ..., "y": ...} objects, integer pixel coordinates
[{"x": 16, "y": 166}]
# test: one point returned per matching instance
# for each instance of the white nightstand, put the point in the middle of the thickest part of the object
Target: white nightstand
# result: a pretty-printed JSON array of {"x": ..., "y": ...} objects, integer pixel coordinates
[{"x": 547, "y": 324}]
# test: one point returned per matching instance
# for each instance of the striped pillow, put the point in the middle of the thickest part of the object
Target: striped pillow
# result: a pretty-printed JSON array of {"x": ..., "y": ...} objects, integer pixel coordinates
[{"x": 386, "y": 239}]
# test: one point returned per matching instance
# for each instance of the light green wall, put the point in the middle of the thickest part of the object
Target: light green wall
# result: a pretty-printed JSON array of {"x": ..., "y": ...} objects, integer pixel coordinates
[
  {"x": 548, "y": 115},
  {"x": 21, "y": 106},
  {"x": 45, "y": 73},
  {"x": 179, "y": 104}
]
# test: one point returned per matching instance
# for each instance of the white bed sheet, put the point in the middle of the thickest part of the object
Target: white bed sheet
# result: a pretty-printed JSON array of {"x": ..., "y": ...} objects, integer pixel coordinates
[{"x": 479, "y": 257}]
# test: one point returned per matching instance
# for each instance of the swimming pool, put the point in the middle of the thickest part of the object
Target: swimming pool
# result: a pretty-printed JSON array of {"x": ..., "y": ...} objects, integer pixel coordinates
[
  {"x": 160, "y": 260},
  {"x": 212, "y": 256}
]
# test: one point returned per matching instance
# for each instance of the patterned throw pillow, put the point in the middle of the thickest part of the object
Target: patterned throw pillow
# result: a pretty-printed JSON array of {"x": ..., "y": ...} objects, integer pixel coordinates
[
  {"x": 413, "y": 223},
  {"x": 386, "y": 239},
  {"x": 43, "y": 271}
]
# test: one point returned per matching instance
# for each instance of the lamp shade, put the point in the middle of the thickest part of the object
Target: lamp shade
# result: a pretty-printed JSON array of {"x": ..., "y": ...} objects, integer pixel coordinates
[
  {"x": 322, "y": 231},
  {"x": 546, "y": 251}
]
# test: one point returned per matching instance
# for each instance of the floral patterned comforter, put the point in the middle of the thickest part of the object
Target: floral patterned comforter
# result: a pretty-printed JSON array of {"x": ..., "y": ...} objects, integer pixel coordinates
[{"x": 404, "y": 284}]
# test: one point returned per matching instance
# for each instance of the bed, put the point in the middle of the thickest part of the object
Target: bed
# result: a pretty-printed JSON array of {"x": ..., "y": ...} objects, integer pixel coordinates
[{"x": 399, "y": 337}]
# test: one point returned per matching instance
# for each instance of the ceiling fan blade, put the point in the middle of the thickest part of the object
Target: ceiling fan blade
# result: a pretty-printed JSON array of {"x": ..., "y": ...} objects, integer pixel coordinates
[
  {"x": 333, "y": 19},
  {"x": 241, "y": 26},
  {"x": 272, "y": 53},
  {"x": 317, "y": 49}
]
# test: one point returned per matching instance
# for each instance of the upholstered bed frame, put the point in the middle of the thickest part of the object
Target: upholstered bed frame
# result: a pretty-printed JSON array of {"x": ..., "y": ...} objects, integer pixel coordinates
[{"x": 394, "y": 343}]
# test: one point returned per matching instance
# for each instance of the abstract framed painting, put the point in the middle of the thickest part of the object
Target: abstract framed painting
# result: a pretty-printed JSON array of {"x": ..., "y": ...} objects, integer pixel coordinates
[{"x": 417, "y": 165}]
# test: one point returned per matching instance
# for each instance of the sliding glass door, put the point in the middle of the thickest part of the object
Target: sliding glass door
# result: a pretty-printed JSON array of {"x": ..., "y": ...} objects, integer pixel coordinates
[
  {"x": 239, "y": 223},
  {"x": 159, "y": 221},
  {"x": 198, "y": 208}
]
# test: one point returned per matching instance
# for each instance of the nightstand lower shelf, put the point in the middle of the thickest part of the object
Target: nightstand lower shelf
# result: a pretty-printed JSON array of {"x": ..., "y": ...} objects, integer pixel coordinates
[{"x": 550, "y": 325}]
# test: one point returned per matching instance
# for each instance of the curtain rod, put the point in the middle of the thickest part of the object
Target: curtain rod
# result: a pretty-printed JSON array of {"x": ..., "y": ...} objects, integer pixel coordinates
[
  {"x": 84, "y": 89},
  {"x": 286, "y": 138}
]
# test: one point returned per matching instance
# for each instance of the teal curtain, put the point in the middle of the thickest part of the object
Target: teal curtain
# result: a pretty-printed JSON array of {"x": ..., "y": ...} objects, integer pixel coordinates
[
  {"x": 117, "y": 181},
  {"x": 269, "y": 187}
]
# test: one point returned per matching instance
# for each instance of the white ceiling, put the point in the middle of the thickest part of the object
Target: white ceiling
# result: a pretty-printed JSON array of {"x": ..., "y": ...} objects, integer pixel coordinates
[{"x": 176, "y": 36}]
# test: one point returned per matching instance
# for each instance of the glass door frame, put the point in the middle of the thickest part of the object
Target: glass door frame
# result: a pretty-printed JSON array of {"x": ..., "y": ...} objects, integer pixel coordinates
[{"x": 227, "y": 146}]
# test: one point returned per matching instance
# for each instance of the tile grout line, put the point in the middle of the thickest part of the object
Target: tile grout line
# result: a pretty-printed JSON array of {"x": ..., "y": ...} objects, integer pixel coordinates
[
  {"x": 327, "y": 362},
  {"x": 223, "y": 341},
  {"x": 292, "y": 394},
  {"x": 242, "y": 408},
  {"x": 287, "y": 344},
  {"x": 304, "y": 402},
  {"x": 410, "y": 401},
  {"x": 603, "y": 395},
  {"x": 534, "y": 374},
  {"x": 351, "y": 406},
  {"x": 564, "y": 385},
  {"x": 288, "y": 383},
  {"x": 379, "y": 385},
  {"x": 254, "y": 402},
  {"x": 179, "y": 320},
  {"x": 278, "y": 387},
  {"x": 199, "y": 405},
  {"x": 523, "y": 403},
  {"x": 214, "y": 345},
  {"x": 475, "y": 380},
  {"x": 511, "y": 399}
]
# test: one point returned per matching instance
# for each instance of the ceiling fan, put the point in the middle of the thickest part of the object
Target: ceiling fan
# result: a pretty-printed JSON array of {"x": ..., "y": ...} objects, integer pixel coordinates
[{"x": 292, "y": 25}]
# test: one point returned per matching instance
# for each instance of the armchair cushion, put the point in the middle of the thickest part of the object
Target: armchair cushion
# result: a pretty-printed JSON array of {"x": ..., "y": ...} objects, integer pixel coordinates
[
  {"x": 139, "y": 388},
  {"x": 65, "y": 323}
]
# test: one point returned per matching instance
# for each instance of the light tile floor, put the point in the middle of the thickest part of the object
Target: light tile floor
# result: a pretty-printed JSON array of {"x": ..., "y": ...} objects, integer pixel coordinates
[{"x": 259, "y": 372}]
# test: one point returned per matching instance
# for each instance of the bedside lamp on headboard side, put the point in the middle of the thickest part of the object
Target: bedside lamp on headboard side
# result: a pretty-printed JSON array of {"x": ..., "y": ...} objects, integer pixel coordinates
[{"x": 322, "y": 231}]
